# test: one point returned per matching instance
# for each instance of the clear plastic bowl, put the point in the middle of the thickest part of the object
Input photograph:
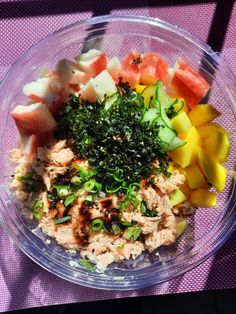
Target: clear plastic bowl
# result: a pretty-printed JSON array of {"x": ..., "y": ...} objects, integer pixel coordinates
[{"x": 207, "y": 230}]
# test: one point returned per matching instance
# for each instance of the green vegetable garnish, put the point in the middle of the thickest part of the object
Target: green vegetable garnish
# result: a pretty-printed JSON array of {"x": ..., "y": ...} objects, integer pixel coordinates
[
  {"x": 115, "y": 228},
  {"x": 62, "y": 220},
  {"x": 52, "y": 197},
  {"x": 96, "y": 224},
  {"x": 126, "y": 224},
  {"x": 70, "y": 199},
  {"x": 114, "y": 190},
  {"x": 26, "y": 177},
  {"x": 131, "y": 197},
  {"x": 76, "y": 180},
  {"x": 87, "y": 264},
  {"x": 89, "y": 185},
  {"x": 117, "y": 143},
  {"x": 147, "y": 212},
  {"x": 62, "y": 190},
  {"x": 37, "y": 209},
  {"x": 132, "y": 233},
  {"x": 89, "y": 198},
  {"x": 118, "y": 175},
  {"x": 92, "y": 186},
  {"x": 84, "y": 174},
  {"x": 120, "y": 247}
]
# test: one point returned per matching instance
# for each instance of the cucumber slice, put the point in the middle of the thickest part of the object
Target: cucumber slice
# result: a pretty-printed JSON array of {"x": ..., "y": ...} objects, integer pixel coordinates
[
  {"x": 164, "y": 117},
  {"x": 154, "y": 95},
  {"x": 150, "y": 115},
  {"x": 154, "y": 103},
  {"x": 179, "y": 105},
  {"x": 166, "y": 135},
  {"x": 174, "y": 144},
  {"x": 158, "y": 101},
  {"x": 149, "y": 93},
  {"x": 161, "y": 95},
  {"x": 174, "y": 107}
]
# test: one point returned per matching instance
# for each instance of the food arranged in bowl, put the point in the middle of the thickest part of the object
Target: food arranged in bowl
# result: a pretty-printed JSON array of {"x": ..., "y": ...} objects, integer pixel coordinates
[{"x": 115, "y": 154}]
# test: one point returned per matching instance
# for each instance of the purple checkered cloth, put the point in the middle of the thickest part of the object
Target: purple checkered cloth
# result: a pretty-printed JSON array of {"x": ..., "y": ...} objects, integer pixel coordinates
[{"x": 23, "y": 283}]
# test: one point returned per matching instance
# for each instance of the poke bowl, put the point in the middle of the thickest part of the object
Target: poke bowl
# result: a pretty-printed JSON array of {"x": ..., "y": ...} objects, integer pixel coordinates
[{"x": 153, "y": 76}]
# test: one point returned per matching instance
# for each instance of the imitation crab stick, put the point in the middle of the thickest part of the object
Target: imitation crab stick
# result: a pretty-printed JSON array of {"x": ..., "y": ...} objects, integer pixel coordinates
[
  {"x": 30, "y": 143},
  {"x": 70, "y": 73},
  {"x": 92, "y": 62},
  {"x": 33, "y": 119}
]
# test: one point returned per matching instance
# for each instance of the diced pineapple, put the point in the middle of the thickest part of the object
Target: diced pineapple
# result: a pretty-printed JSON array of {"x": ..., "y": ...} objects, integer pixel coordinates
[
  {"x": 185, "y": 155},
  {"x": 140, "y": 88},
  {"x": 191, "y": 136},
  {"x": 207, "y": 129},
  {"x": 181, "y": 226},
  {"x": 213, "y": 170},
  {"x": 181, "y": 122},
  {"x": 195, "y": 177},
  {"x": 203, "y": 198},
  {"x": 218, "y": 146},
  {"x": 177, "y": 197},
  {"x": 202, "y": 114}
]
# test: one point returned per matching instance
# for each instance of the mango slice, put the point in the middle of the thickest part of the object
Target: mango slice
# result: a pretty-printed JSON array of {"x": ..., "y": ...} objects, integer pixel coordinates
[
  {"x": 195, "y": 177},
  {"x": 181, "y": 122},
  {"x": 185, "y": 155},
  {"x": 218, "y": 146},
  {"x": 203, "y": 198},
  {"x": 202, "y": 114},
  {"x": 180, "y": 169},
  {"x": 177, "y": 197},
  {"x": 191, "y": 136},
  {"x": 140, "y": 88},
  {"x": 207, "y": 129},
  {"x": 185, "y": 189},
  {"x": 213, "y": 170}
]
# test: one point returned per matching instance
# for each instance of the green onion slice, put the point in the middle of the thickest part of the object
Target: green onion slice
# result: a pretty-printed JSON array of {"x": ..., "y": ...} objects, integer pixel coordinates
[
  {"x": 118, "y": 175},
  {"x": 26, "y": 177},
  {"x": 76, "y": 180},
  {"x": 62, "y": 220},
  {"x": 147, "y": 212},
  {"x": 131, "y": 197},
  {"x": 143, "y": 208},
  {"x": 70, "y": 199},
  {"x": 62, "y": 190},
  {"x": 38, "y": 215},
  {"x": 92, "y": 186},
  {"x": 87, "y": 264},
  {"x": 115, "y": 228},
  {"x": 37, "y": 209},
  {"x": 120, "y": 247},
  {"x": 96, "y": 224},
  {"x": 111, "y": 191},
  {"x": 84, "y": 173},
  {"x": 132, "y": 233},
  {"x": 89, "y": 198},
  {"x": 126, "y": 224}
]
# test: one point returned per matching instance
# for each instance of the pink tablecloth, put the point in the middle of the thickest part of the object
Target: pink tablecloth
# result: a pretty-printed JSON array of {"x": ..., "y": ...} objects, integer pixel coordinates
[{"x": 24, "y": 284}]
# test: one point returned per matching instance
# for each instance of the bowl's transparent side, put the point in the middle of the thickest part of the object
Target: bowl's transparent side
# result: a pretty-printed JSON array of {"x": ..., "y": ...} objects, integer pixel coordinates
[{"x": 208, "y": 228}]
